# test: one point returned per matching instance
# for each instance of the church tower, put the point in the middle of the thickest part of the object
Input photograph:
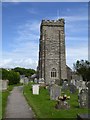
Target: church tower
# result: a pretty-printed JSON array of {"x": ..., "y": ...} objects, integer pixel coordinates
[{"x": 52, "y": 57}]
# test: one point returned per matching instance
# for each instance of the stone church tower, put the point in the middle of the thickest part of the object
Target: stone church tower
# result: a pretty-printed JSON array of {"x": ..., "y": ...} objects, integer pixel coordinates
[{"x": 52, "y": 57}]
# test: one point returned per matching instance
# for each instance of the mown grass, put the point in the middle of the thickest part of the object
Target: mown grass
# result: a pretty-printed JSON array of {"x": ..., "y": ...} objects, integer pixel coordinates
[{"x": 45, "y": 108}]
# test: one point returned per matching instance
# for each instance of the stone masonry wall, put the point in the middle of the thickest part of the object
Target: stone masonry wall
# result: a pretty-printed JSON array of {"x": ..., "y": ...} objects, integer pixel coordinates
[{"x": 52, "y": 50}]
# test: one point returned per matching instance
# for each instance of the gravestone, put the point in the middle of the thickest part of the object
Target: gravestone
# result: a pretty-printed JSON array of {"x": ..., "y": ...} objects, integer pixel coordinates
[
  {"x": 83, "y": 85},
  {"x": 36, "y": 80},
  {"x": 26, "y": 80},
  {"x": 55, "y": 92},
  {"x": 35, "y": 89},
  {"x": 78, "y": 83},
  {"x": 51, "y": 83},
  {"x": 65, "y": 85},
  {"x": 83, "y": 116},
  {"x": 88, "y": 85},
  {"x": 41, "y": 81},
  {"x": 83, "y": 98},
  {"x": 3, "y": 84},
  {"x": 23, "y": 79},
  {"x": 72, "y": 88},
  {"x": 73, "y": 81}
]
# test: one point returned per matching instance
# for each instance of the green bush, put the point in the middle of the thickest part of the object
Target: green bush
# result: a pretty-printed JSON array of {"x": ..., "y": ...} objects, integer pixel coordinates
[{"x": 12, "y": 76}]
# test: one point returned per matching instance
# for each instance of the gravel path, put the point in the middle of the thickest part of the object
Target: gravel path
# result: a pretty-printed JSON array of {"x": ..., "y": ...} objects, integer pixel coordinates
[{"x": 17, "y": 106}]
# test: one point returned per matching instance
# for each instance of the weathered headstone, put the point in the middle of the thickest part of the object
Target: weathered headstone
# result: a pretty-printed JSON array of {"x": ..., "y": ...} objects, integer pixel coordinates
[
  {"x": 78, "y": 83},
  {"x": 55, "y": 92},
  {"x": 72, "y": 88},
  {"x": 88, "y": 85},
  {"x": 41, "y": 81},
  {"x": 65, "y": 85},
  {"x": 83, "y": 98},
  {"x": 36, "y": 80},
  {"x": 3, "y": 84},
  {"x": 83, "y": 85},
  {"x": 22, "y": 77},
  {"x": 26, "y": 80},
  {"x": 51, "y": 83},
  {"x": 83, "y": 116},
  {"x": 73, "y": 81}
]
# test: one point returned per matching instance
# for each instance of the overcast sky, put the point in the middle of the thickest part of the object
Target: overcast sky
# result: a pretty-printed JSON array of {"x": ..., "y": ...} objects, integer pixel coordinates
[{"x": 21, "y": 31}]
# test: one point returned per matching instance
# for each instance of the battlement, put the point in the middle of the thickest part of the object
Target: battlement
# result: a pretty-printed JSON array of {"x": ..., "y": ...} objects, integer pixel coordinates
[{"x": 58, "y": 22}]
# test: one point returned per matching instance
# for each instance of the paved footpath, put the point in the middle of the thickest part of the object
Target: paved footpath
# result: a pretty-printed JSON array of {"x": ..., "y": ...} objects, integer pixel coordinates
[{"x": 17, "y": 106}]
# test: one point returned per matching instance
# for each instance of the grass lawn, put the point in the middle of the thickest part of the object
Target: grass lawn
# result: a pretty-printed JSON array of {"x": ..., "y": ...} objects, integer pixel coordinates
[{"x": 45, "y": 108}]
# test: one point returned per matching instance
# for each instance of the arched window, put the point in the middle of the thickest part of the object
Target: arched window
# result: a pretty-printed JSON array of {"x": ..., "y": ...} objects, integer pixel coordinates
[{"x": 53, "y": 73}]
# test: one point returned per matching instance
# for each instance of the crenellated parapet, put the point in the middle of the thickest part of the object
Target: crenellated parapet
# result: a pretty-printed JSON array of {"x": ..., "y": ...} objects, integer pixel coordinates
[{"x": 58, "y": 22}]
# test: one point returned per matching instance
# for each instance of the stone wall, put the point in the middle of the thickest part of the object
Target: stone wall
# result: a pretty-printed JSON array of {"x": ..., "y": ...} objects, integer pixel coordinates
[{"x": 69, "y": 73}]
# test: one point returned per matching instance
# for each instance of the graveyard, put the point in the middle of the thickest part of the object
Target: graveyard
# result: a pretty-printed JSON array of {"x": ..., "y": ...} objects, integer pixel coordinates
[
  {"x": 44, "y": 107},
  {"x": 66, "y": 100}
]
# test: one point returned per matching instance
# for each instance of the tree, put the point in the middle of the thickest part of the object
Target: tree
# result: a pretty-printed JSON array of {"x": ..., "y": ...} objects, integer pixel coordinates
[
  {"x": 23, "y": 71},
  {"x": 20, "y": 70},
  {"x": 4, "y": 74},
  {"x": 82, "y": 68},
  {"x": 13, "y": 77}
]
